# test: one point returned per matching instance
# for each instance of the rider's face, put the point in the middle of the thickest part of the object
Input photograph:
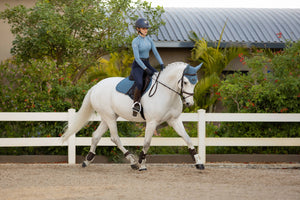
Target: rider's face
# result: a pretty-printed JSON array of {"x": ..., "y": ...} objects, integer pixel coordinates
[{"x": 144, "y": 31}]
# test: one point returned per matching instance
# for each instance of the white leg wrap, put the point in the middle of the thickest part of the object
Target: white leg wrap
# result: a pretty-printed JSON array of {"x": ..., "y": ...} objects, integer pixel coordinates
[
  {"x": 143, "y": 165},
  {"x": 87, "y": 163},
  {"x": 132, "y": 159}
]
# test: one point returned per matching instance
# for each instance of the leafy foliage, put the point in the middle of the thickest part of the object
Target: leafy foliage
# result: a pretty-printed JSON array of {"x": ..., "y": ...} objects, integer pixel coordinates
[
  {"x": 214, "y": 62},
  {"x": 271, "y": 86},
  {"x": 118, "y": 65},
  {"x": 76, "y": 31},
  {"x": 41, "y": 86}
]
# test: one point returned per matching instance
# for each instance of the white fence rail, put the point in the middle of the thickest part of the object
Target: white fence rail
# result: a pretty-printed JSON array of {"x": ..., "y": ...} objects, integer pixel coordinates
[{"x": 201, "y": 141}]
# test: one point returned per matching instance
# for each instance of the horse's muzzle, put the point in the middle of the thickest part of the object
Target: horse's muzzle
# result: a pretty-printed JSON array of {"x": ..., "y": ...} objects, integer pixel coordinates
[{"x": 187, "y": 103}]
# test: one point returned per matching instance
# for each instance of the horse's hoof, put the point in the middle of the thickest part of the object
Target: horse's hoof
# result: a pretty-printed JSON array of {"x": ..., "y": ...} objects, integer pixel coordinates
[
  {"x": 134, "y": 166},
  {"x": 143, "y": 169},
  {"x": 84, "y": 164},
  {"x": 200, "y": 166}
]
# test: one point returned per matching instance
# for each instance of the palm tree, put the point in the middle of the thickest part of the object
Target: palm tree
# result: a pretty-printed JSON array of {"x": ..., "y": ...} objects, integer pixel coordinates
[
  {"x": 118, "y": 64},
  {"x": 214, "y": 62}
]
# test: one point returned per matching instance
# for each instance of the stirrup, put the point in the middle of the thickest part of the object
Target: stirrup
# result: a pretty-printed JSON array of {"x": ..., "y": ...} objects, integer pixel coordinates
[{"x": 136, "y": 108}]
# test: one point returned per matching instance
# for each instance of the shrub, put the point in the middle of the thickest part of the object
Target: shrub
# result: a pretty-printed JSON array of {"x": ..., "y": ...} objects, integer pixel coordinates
[
  {"x": 271, "y": 86},
  {"x": 41, "y": 86}
]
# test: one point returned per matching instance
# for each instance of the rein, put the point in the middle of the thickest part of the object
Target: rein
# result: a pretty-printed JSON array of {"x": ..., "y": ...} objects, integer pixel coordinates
[{"x": 151, "y": 93}]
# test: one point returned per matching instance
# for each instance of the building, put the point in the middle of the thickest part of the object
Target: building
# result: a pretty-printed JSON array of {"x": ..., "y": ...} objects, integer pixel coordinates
[{"x": 248, "y": 27}]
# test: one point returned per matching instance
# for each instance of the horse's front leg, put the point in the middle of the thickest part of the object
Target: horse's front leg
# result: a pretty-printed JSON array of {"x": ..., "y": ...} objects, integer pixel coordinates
[
  {"x": 179, "y": 128},
  {"x": 150, "y": 128}
]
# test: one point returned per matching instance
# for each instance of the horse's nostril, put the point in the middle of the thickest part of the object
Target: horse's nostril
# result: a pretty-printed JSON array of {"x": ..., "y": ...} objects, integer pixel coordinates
[{"x": 187, "y": 103}]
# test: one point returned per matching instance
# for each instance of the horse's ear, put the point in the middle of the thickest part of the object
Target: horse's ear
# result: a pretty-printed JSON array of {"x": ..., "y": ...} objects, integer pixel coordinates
[{"x": 198, "y": 67}]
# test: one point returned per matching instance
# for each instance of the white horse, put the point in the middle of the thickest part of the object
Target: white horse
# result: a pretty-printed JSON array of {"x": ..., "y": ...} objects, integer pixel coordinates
[{"x": 175, "y": 86}]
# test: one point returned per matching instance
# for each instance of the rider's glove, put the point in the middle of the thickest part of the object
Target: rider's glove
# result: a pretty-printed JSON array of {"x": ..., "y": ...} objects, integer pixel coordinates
[
  {"x": 162, "y": 66},
  {"x": 149, "y": 72}
]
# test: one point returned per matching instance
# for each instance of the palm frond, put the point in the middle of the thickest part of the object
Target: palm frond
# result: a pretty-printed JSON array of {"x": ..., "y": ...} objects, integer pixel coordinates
[
  {"x": 221, "y": 35},
  {"x": 118, "y": 65},
  {"x": 214, "y": 62}
]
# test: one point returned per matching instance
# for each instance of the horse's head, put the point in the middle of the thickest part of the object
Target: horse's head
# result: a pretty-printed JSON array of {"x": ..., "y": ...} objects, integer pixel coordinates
[{"x": 187, "y": 84}]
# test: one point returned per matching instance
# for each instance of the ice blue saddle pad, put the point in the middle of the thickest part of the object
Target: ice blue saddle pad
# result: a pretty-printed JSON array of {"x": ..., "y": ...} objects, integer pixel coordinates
[{"x": 126, "y": 86}]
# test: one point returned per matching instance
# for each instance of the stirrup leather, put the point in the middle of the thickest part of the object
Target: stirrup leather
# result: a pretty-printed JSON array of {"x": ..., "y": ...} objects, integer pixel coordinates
[{"x": 136, "y": 108}]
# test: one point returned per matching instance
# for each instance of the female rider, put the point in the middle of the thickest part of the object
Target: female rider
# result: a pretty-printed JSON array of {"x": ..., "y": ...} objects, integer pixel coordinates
[{"x": 141, "y": 67}]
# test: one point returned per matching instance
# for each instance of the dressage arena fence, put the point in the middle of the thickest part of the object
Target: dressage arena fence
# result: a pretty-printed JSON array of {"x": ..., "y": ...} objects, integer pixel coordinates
[{"x": 201, "y": 141}]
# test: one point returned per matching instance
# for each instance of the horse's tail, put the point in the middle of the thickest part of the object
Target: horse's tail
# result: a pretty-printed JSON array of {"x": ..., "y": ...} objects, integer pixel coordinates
[{"x": 80, "y": 119}]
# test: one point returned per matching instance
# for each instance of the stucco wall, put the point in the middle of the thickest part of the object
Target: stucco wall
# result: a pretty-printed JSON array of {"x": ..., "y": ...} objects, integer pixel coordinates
[{"x": 6, "y": 37}]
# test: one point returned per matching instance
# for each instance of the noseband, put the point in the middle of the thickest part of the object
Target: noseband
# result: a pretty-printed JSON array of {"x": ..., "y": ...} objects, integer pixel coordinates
[{"x": 151, "y": 93}]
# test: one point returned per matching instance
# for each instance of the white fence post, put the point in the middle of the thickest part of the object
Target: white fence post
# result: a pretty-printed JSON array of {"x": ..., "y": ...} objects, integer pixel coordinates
[
  {"x": 71, "y": 140},
  {"x": 201, "y": 135}
]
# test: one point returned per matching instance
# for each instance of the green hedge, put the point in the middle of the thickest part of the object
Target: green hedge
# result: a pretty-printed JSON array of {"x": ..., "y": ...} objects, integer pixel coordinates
[{"x": 271, "y": 86}]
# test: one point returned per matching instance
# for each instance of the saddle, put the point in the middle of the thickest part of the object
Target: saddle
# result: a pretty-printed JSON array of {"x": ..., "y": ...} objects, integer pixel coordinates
[{"x": 127, "y": 85}]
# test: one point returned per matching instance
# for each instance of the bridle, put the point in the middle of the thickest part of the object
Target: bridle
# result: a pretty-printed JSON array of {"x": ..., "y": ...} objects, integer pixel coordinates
[{"x": 151, "y": 93}]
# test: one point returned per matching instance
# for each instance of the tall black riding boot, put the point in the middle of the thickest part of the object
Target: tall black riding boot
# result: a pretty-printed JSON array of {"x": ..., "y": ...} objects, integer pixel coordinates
[{"x": 136, "y": 107}]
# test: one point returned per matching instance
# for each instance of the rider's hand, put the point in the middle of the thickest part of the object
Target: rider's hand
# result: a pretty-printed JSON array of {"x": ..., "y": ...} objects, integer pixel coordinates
[
  {"x": 149, "y": 72},
  {"x": 162, "y": 66}
]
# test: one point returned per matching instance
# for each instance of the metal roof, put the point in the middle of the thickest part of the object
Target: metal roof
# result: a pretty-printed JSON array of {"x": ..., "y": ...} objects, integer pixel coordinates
[{"x": 264, "y": 28}]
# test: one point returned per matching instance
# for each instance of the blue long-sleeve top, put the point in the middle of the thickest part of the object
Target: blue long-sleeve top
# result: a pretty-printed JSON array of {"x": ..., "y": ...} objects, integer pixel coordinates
[{"x": 141, "y": 47}]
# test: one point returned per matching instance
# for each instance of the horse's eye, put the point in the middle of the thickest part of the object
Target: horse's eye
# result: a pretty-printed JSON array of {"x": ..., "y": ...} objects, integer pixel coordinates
[{"x": 184, "y": 82}]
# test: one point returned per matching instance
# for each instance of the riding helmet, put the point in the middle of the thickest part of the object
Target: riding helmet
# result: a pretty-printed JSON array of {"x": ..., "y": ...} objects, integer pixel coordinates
[{"x": 142, "y": 23}]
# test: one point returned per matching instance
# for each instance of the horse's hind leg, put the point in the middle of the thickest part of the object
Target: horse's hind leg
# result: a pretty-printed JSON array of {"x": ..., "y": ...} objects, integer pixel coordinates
[
  {"x": 97, "y": 134},
  {"x": 179, "y": 128},
  {"x": 112, "y": 124}
]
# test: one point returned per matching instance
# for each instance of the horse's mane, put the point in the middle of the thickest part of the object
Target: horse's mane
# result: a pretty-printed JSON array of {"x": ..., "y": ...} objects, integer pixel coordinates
[
  {"x": 176, "y": 67},
  {"x": 175, "y": 64}
]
